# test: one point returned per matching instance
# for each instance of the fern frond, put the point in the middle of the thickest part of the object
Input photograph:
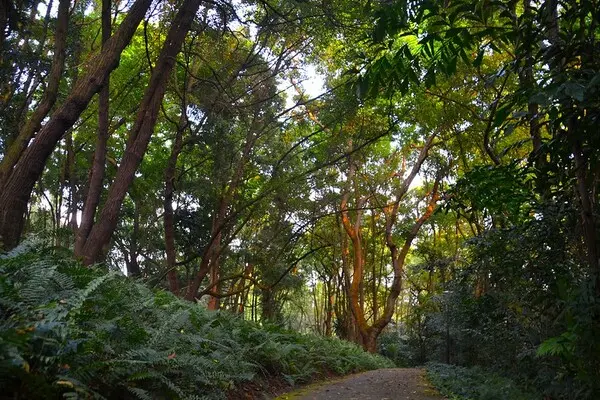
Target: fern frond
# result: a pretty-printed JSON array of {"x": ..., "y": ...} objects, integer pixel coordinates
[{"x": 140, "y": 393}]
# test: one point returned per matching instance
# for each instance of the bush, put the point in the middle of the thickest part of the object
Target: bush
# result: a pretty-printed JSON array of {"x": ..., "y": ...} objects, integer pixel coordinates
[
  {"x": 79, "y": 332},
  {"x": 459, "y": 383},
  {"x": 395, "y": 344}
]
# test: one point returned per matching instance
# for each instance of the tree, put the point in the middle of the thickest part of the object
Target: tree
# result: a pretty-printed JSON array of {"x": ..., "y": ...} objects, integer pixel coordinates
[
  {"x": 19, "y": 183},
  {"x": 549, "y": 50}
]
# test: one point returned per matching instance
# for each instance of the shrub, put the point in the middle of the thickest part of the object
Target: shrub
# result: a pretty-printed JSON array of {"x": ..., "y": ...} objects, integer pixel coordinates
[
  {"x": 80, "y": 332},
  {"x": 459, "y": 383}
]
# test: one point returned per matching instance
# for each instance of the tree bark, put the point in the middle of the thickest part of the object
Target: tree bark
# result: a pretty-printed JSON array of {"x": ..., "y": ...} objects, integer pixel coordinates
[
  {"x": 214, "y": 302},
  {"x": 140, "y": 135},
  {"x": 98, "y": 164},
  {"x": 19, "y": 144},
  {"x": 370, "y": 333},
  {"x": 169, "y": 218},
  {"x": 212, "y": 251},
  {"x": 133, "y": 267},
  {"x": 17, "y": 190}
]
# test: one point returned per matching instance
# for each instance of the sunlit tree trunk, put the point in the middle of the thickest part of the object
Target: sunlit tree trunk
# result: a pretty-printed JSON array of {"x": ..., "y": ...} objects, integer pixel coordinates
[{"x": 370, "y": 332}]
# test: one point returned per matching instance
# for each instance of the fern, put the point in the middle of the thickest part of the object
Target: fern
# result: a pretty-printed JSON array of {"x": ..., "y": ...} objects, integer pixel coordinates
[
  {"x": 103, "y": 336},
  {"x": 140, "y": 393},
  {"x": 77, "y": 300}
]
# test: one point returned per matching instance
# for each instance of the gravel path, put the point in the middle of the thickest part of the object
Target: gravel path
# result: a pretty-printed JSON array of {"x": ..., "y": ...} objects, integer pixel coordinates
[{"x": 381, "y": 384}]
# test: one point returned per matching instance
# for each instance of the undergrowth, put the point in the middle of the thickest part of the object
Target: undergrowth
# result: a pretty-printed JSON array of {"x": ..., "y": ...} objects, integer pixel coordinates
[
  {"x": 460, "y": 383},
  {"x": 75, "y": 332}
]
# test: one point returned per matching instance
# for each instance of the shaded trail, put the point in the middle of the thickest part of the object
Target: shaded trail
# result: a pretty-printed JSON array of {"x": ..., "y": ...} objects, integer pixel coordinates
[{"x": 381, "y": 384}]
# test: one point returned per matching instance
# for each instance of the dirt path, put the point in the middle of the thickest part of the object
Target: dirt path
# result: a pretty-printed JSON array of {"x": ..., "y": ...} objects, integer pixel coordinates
[{"x": 381, "y": 384}]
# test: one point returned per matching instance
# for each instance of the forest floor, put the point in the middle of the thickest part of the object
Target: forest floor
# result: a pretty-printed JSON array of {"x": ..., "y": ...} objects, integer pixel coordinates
[{"x": 381, "y": 384}]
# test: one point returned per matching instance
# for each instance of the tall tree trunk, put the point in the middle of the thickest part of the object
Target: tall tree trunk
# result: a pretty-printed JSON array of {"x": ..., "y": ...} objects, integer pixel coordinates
[
  {"x": 72, "y": 211},
  {"x": 133, "y": 266},
  {"x": 398, "y": 260},
  {"x": 140, "y": 135},
  {"x": 330, "y": 308},
  {"x": 349, "y": 322},
  {"x": 317, "y": 310},
  {"x": 17, "y": 190},
  {"x": 19, "y": 144},
  {"x": 353, "y": 230},
  {"x": 98, "y": 164},
  {"x": 370, "y": 333},
  {"x": 212, "y": 249},
  {"x": 374, "y": 286},
  {"x": 214, "y": 302},
  {"x": 169, "y": 218},
  {"x": 170, "y": 171}
]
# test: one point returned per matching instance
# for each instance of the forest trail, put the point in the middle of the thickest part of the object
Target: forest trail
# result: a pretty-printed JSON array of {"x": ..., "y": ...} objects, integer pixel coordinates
[{"x": 381, "y": 384}]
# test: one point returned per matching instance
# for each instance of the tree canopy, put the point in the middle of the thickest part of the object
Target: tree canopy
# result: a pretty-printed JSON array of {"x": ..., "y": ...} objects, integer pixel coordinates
[{"x": 437, "y": 199}]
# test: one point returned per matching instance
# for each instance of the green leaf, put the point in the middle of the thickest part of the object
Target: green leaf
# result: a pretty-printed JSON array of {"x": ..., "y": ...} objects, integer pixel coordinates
[
  {"x": 541, "y": 99},
  {"x": 479, "y": 59},
  {"x": 430, "y": 77},
  {"x": 451, "y": 67},
  {"x": 501, "y": 114},
  {"x": 574, "y": 90},
  {"x": 452, "y": 32}
]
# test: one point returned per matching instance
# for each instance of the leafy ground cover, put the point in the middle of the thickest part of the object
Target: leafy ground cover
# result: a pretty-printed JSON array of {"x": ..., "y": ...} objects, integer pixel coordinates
[
  {"x": 460, "y": 383},
  {"x": 77, "y": 332}
]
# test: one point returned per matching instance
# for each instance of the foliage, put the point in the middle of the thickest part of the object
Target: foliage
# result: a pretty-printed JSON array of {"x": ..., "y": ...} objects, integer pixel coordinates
[
  {"x": 397, "y": 345},
  {"x": 82, "y": 332},
  {"x": 500, "y": 98},
  {"x": 459, "y": 383},
  {"x": 497, "y": 192},
  {"x": 520, "y": 304}
]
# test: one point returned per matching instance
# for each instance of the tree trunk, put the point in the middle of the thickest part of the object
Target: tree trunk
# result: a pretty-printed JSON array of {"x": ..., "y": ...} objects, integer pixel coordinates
[
  {"x": 353, "y": 231},
  {"x": 268, "y": 305},
  {"x": 19, "y": 185},
  {"x": 212, "y": 251},
  {"x": 213, "y": 255},
  {"x": 369, "y": 333},
  {"x": 214, "y": 302},
  {"x": 133, "y": 267},
  {"x": 369, "y": 341},
  {"x": 98, "y": 164},
  {"x": 169, "y": 218},
  {"x": 19, "y": 144},
  {"x": 330, "y": 308},
  {"x": 140, "y": 135}
]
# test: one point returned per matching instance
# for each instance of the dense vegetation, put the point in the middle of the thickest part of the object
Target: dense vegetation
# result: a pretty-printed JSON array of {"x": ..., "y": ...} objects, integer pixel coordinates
[
  {"x": 420, "y": 178},
  {"x": 460, "y": 383},
  {"x": 82, "y": 332}
]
